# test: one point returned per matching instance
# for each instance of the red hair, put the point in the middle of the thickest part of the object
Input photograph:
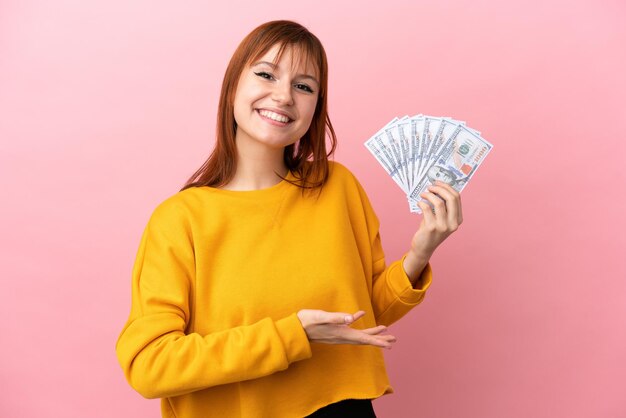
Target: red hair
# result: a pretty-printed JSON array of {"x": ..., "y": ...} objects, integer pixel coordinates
[{"x": 307, "y": 159}]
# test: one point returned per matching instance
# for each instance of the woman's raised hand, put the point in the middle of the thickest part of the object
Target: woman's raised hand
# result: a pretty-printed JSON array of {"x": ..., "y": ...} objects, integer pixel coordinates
[
  {"x": 334, "y": 328},
  {"x": 439, "y": 222}
]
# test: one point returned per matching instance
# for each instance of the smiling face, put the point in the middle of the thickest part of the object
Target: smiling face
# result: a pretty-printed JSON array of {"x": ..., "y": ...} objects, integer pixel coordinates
[{"x": 275, "y": 103}]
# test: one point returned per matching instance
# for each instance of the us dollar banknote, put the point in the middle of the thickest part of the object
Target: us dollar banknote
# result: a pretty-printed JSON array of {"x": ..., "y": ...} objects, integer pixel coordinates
[{"x": 419, "y": 150}]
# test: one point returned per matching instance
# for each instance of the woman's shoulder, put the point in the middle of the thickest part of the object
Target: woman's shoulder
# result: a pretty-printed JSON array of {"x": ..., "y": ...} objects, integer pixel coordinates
[
  {"x": 177, "y": 206},
  {"x": 351, "y": 190},
  {"x": 339, "y": 173}
]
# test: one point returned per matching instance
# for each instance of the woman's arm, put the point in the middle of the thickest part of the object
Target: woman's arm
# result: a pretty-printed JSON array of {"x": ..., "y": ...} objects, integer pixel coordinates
[
  {"x": 402, "y": 285},
  {"x": 159, "y": 358}
]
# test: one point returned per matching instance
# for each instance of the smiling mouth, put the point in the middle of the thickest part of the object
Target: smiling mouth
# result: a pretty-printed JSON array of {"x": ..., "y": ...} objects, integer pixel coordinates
[{"x": 273, "y": 116}]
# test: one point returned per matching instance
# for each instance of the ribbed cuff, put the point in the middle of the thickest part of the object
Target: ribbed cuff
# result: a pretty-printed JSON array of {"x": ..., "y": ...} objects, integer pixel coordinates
[{"x": 401, "y": 285}]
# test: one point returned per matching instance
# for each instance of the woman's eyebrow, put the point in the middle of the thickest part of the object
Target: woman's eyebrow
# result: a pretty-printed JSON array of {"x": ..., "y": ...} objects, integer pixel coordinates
[{"x": 274, "y": 67}]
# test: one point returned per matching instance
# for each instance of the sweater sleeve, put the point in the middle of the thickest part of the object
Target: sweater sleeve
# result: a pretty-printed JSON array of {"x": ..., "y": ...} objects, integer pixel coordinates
[
  {"x": 393, "y": 295},
  {"x": 158, "y": 357}
]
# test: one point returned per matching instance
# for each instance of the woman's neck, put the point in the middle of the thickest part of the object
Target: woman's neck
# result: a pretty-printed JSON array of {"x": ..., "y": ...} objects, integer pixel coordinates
[{"x": 257, "y": 166}]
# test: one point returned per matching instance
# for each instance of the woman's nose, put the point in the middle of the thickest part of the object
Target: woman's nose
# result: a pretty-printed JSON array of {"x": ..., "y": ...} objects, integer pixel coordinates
[{"x": 282, "y": 93}]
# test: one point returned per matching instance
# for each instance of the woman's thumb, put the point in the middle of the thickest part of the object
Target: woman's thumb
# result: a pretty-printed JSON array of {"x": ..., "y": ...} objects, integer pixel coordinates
[{"x": 339, "y": 318}]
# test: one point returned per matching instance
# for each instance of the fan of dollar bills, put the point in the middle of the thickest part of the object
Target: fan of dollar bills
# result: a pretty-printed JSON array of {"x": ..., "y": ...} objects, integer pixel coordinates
[{"x": 416, "y": 151}]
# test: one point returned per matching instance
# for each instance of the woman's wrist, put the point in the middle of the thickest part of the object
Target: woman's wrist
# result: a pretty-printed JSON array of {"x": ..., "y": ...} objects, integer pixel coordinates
[{"x": 413, "y": 264}]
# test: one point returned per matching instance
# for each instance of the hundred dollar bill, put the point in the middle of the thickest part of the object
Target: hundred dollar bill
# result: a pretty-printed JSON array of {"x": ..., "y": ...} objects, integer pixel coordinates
[
  {"x": 409, "y": 138},
  {"x": 429, "y": 131},
  {"x": 377, "y": 145},
  {"x": 404, "y": 150},
  {"x": 402, "y": 134},
  {"x": 460, "y": 154},
  {"x": 439, "y": 129},
  {"x": 417, "y": 127},
  {"x": 397, "y": 149}
]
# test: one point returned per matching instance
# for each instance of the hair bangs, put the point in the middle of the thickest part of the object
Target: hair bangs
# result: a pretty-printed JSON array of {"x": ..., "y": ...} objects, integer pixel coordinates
[{"x": 302, "y": 52}]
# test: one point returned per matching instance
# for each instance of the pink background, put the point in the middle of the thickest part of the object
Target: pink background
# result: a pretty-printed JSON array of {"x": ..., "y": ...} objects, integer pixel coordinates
[{"x": 106, "y": 108}]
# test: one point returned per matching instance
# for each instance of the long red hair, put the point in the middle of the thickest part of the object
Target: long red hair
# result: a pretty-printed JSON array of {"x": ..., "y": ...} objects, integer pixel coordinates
[{"x": 307, "y": 159}]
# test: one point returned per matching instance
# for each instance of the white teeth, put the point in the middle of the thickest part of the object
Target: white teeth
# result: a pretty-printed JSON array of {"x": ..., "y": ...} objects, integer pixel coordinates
[{"x": 274, "y": 116}]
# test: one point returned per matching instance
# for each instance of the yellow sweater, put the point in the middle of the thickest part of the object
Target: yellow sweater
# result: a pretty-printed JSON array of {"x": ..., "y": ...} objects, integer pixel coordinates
[{"x": 218, "y": 279}]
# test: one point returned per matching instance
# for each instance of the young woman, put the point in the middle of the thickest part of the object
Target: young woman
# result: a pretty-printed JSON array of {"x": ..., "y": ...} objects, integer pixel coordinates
[{"x": 260, "y": 289}]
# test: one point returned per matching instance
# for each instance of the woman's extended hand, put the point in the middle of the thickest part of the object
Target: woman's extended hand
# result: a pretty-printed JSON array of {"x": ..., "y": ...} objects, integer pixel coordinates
[
  {"x": 333, "y": 328},
  {"x": 440, "y": 221}
]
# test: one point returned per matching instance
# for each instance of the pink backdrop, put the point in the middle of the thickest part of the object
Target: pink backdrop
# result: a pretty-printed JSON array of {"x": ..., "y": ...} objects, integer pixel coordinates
[{"x": 106, "y": 108}]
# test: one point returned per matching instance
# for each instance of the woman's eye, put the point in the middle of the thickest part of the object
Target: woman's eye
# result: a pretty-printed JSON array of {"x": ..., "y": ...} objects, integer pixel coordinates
[
  {"x": 264, "y": 75},
  {"x": 304, "y": 87}
]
